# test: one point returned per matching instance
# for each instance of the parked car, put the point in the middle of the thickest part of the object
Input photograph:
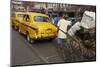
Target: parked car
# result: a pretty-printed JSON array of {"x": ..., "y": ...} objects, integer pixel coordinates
[{"x": 37, "y": 26}]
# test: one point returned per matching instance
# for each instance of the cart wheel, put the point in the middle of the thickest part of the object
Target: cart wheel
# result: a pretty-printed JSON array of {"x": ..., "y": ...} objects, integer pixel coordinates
[
  {"x": 70, "y": 50},
  {"x": 73, "y": 50},
  {"x": 88, "y": 52}
]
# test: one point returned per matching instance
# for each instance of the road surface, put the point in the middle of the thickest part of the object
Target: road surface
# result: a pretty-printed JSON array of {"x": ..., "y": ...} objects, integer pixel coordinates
[{"x": 41, "y": 52}]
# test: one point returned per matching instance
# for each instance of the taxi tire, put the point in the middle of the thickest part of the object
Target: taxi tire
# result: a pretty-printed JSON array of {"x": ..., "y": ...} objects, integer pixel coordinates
[
  {"x": 52, "y": 39},
  {"x": 30, "y": 40}
]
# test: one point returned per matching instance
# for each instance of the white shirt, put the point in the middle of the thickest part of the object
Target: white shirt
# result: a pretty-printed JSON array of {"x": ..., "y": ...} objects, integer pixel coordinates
[
  {"x": 63, "y": 24},
  {"x": 74, "y": 28}
]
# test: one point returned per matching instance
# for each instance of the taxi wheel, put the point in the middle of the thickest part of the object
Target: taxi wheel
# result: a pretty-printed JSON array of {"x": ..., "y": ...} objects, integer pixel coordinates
[
  {"x": 29, "y": 39},
  {"x": 52, "y": 39}
]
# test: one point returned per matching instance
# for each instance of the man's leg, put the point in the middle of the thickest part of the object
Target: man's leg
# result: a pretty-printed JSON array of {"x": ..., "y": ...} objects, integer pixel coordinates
[
  {"x": 60, "y": 44},
  {"x": 60, "y": 48}
]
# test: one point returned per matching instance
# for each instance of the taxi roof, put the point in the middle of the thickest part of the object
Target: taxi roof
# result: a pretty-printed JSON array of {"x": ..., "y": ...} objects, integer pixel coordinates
[
  {"x": 36, "y": 14},
  {"x": 32, "y": 13}
]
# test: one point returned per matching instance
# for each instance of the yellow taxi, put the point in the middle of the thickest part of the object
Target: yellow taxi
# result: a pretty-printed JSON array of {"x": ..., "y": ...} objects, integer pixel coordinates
[
  {"x": 37, "y": 26},
  {"x": 16, "y": 18}
]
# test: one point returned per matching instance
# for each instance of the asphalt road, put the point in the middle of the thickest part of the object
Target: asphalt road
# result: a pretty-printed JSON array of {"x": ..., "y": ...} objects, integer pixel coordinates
[{"x": 41, "y": 52}]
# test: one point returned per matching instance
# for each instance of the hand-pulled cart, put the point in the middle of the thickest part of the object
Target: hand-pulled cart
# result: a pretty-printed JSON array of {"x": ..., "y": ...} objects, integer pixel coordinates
[{"x": 81, "y": 46}]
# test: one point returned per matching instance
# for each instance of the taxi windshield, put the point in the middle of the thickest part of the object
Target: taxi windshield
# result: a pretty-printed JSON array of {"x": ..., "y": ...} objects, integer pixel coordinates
[{"x": 41, "y": 19}]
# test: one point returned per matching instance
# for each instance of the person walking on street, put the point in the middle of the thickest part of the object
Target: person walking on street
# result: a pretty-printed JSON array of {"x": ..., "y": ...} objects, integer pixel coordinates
[
  {"x": 63, "y": 25},
  {"x": 56, "y": 19}
]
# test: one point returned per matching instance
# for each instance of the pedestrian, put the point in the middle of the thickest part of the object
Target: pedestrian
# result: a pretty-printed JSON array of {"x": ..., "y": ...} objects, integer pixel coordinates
[
  {"x": 63, "y": 25},
  {"x": 51, "y": 17},
  {"x": 56, "y": 19}
]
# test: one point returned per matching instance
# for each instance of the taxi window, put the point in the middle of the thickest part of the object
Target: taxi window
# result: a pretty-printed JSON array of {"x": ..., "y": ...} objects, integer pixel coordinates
[{"x": 41, "y": 19}]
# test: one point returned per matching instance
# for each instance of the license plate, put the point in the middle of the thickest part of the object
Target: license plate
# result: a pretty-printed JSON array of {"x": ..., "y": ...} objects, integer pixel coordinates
[{"x": 51, "y": 34}]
